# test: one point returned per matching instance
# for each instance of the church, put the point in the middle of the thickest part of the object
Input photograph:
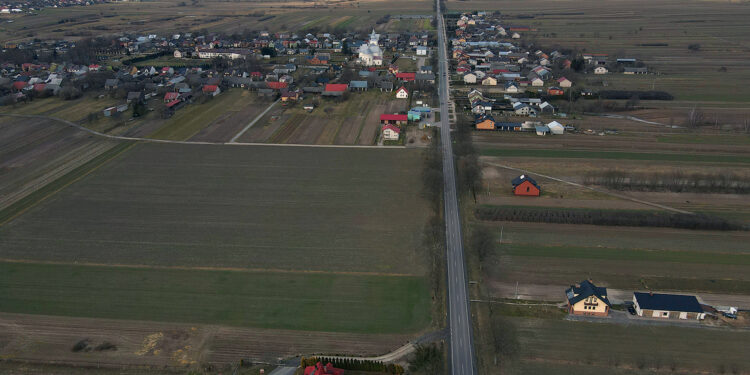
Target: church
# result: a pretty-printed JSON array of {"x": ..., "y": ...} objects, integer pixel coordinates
[{"x": 370, "y": 54}]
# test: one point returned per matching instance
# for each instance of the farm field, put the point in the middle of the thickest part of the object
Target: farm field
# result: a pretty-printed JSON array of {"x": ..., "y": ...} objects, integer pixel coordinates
[
  {"x": 314, "y": 220},
  {"x": 170, "y": 16},
  {"x": 159, "y": 347},
  {"x": 355, "y": 121},
  {"x": 34, "y": 152},
  {"x": 655, "y": 32},
  {"x": 217, "y": 120},
  {"x": 616, "y": 349}
]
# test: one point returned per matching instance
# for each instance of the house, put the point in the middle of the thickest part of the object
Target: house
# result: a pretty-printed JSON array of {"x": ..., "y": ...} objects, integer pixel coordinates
[
  {"x": 168, "y": 97},
  {"x": 212, "y": 90},
  {"x": 537, "y": 82},
  {"x": 406, "y": 77},
  {"x": 277, "y": 85},
  {"x": 546, "y": 108},
  {"x": 587, "y": 299},
  {"x": 511, "y": 88},
  {"x": 470, "y": 78},
  {"x": 111, "y": 84},
  {"x": 489, "y": 81},
  {"x": 523, "y": 109},
  {"x": 600, "y": 70},
  {"x": 556, "y": 128},
  {"x": 391, "y": 132},
  {"x": 564, "y": 82},
  {"x": 541, "y": 130},
  {"x": 421, "y": 51},
  {"x": 287, "y": 96},
  {"x": 667, "y": 306},
  {"x": 402, "y": 93},
  {"x": 135, "y": 96},
  {"x": 525, "y": 186},
  {"x": 555, "y": 91},
  {"x": 386, "y": 86},
  {"x": 484, "y": 122},
  {"x": 358, "y": 85},
  {"x": 393, "y": 119},
  {"x": 319, "y": 369}
]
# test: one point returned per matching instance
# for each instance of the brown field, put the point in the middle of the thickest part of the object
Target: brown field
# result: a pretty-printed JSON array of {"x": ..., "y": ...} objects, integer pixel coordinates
[
  {"x": 34, "y": 152},
  {"x": 48, "y": 339},
  {"x": 169, "y": 16}
]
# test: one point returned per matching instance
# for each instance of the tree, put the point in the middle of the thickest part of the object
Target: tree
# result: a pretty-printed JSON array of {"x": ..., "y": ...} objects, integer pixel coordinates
[
  {"x": 427, "y": 360},
  {"x": 695, "y": 118},
  {"x": 483, "y": 242}
]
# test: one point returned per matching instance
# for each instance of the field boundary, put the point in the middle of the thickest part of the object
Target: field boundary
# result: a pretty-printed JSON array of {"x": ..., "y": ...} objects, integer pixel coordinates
[{"x": 199, "y": 268}]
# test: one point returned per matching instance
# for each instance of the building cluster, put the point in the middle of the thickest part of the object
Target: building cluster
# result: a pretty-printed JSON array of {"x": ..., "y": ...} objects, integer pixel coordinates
[
  {"x": 25, "y": 6},
  {"x": 482, "y": 108},
  {"x": 585, "y": 298}
]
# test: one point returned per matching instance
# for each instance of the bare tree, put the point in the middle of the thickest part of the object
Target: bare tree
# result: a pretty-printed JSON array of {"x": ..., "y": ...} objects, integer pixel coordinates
[{"x": 695, "y": 118}]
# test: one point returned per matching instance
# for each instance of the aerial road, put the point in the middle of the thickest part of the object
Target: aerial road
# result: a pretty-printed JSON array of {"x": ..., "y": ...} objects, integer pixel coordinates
[{"x": 459, "y": 316}]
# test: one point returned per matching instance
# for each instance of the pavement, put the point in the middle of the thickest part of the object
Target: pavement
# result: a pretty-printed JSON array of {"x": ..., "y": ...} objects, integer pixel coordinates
[
  {"x": 283, "y": 370},
  {"x": 459, "y": 318}
]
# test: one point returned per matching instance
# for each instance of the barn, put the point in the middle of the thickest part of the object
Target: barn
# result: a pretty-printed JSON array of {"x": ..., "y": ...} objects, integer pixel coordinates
[{"x": 525, "y": 186}]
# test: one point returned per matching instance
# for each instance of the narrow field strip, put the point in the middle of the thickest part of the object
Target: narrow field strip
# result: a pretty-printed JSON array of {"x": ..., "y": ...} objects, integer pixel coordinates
[
  {"x": 581, "y": 154},
  {"x": 199, "y": 268},
  {"x": 307, "y": 301}
]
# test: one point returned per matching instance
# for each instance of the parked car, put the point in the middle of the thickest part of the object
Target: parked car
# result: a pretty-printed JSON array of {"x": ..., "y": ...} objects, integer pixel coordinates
[{"x": 631, "y": 310}]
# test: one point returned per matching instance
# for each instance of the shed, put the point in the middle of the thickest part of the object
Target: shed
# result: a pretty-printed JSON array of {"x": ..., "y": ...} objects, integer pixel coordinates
[
  {"x": 667, "y": 306},
  {"x": 525, "y": 186}
]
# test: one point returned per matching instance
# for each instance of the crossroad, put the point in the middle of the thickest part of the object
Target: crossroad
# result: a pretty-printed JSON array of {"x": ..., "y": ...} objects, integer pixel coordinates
[{"x": 459, "y": 317}]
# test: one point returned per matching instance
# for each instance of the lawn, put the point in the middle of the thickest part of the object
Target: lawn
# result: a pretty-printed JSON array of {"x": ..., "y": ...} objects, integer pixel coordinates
[
  {"x": 339, "y": 228},
  {"x": 299, "y": 301},
  {"x": 580, "y": 154}
]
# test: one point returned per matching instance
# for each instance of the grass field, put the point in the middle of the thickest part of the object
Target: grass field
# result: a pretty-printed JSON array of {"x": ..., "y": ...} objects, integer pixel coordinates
[
  {"x": 299, "y": 301},
  {"x": 215, "y": 208}
]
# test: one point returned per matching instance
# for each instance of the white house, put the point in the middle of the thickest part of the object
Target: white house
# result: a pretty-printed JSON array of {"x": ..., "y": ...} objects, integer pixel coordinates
[
  {"x": 489, "y": 81},
  {"x": 421, "y": 51},
  {"x": 537, "y": 82},
  {"x": 470, "y": 78},
  {"x": 391, "y": 132},
  {"x": 556, "y": 128},
  {"x": 667, "y": 306},
  {"x": 564, "y": 82},
  {"x": 516, "y": 36},
  {"x": 600, "y": 70},
  {"x": 402, "y": 93},
  {"x": 511, "y": 88}
]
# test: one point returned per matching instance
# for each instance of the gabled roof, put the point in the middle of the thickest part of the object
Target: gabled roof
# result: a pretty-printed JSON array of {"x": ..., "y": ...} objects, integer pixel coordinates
[
  {"x": 520, "y": 179},
  {"x": 336, "y": 87},
  {"x": 586, "y": 288},
  {"x": 394, "y": 128},
  {"x": 402, "y": 88},
  {"x": 358, "y": 84},
  {"x": 389, "y": 117},
  {"x": 668, "y": 302},
  {"x": 210, "y": 88}
]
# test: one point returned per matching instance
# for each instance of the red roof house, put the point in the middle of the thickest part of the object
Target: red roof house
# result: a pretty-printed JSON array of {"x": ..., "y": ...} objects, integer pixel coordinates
[
  {"x": 19, "y": 85},
  {"x": 168, "y": 97},
  {"x": 277, "y": 85},
  {"x": 336, "y": 87},
  {"x": 394, "y": 119},
  {"x": 525, "y": 186},
  {"x": 319, "y": 369},
  {"x": 406, "y": 77},
  {"x": 555, "y": 91}
]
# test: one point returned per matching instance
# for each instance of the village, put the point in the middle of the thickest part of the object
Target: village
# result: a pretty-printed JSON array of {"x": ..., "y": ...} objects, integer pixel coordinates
[{"x": 300, "y": 71}]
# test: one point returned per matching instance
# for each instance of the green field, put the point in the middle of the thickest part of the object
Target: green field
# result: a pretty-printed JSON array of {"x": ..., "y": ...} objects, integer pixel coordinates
[
  {"x": 352, "y": 216},
  {"x": 580, "y": 154},
  {"x": 299, "y": 301}
]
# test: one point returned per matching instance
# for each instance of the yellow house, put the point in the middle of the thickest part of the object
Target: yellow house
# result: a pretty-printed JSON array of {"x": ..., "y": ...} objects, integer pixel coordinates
[{"x": 587, "y": 299}]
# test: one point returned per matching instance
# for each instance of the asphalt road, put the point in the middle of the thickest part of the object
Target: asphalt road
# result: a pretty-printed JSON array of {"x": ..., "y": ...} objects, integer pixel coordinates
[{"x": 459, "y": 317}]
